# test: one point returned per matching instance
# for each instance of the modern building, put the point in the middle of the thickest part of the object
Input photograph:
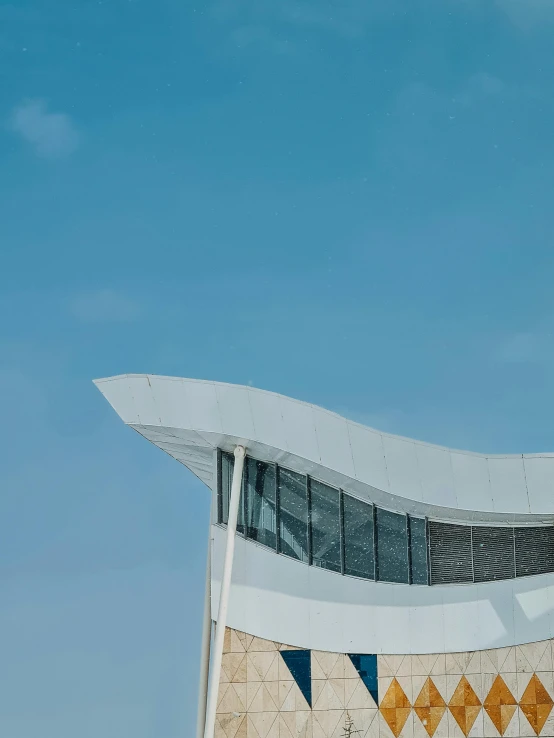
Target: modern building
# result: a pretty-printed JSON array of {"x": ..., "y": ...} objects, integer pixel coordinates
[{"x": 375, "y": 585}]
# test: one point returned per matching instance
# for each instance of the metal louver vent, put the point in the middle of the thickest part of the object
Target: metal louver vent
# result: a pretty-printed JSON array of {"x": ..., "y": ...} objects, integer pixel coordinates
[
  {"x": 493, "y": 553},
  {"x": 450, "y": 553},
  {"x": 534, "y": 550}
]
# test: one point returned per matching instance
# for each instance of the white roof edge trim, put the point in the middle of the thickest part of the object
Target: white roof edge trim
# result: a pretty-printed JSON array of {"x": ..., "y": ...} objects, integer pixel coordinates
[
  {"x": 391, "y": 471},
  {"x": 319, "y": 408}
]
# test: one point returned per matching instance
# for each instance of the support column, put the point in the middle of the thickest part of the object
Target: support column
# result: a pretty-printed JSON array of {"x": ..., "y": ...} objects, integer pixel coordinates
[
  {"x": 206, "y": 641},
  {"x": 217, "y": 656}
]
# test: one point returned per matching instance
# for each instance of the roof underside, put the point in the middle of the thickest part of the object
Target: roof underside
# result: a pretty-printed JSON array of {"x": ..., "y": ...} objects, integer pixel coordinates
[{"x": 189, "y": 419}]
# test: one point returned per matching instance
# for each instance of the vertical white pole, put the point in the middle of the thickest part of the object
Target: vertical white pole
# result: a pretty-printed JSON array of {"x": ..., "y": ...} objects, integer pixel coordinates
[
  {"x": 215, "y": 670},
  {"x": 206, "y": 641}
]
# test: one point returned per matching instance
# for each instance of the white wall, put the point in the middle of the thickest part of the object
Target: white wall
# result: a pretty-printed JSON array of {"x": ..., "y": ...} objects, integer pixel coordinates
[{"x": 280, "y": 599}]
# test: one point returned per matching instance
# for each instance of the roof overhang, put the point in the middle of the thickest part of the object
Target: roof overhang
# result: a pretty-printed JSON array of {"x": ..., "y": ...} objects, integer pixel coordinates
[{"x": 189, "y": 419}]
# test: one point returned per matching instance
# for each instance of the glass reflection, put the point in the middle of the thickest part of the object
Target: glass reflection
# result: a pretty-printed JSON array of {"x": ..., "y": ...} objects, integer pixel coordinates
[
  {"x": 392, "y": 547},
  {"x": 227, "y": 464},
  {"x": 359, "y": 558},
  {"x": 418, "y": 551},
  {"x": 325, "y": 526},
  {"x": 260, "y": 485},
  {"x": 293, "y": 515}
]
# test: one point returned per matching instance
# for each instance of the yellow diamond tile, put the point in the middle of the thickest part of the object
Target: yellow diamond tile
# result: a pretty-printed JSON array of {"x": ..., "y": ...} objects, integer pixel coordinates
[
  {"x": 536, "y": 704},
  {"x": 395, "y": 707},
  {"x": 500, "y": 705},
  {"x": 464, "y": 705},
  {"x": 430, "y": 706}
]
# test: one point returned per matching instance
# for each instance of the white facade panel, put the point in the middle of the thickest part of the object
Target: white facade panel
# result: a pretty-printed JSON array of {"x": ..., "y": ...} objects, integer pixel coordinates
[
  {"x": 171, "y": 401},
  {"x": 333, "y": 442},
  {"x": 368, "y": 456},
  {"x": 402, "y": 468},
  {"x": 117, "y": 392},
  {"x": 298, "y": 422},
  {"x": 508, "y": 486},
  {"x": 532, "y": 612},
  {"x": 471, "y": 481},
  {"x": 539, "y": 476},
  {"x": 235, "y": 411},
  {"x": 143, "y": 398},
  {"x": 203, "y": 406},
  {"x": 426, "y": 621},
  {"x": 279, "y": 599},
  {"x": 268, "y": 421},
  {"x": 435, "y": 473},
  {"x": 392, "y": 615}
]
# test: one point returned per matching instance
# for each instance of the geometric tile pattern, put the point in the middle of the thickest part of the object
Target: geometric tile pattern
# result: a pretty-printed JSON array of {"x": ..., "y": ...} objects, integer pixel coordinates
[
  {"x": 536, "y": 704},
  {"x": 366, "y": 666},
  {"x": 299, "y": 663},
  {"x": 395, "y": 707},
  {"x": 488, "y": 694},
  {"x": 464, "y": 705},
  {"x": 500, "y": 705},
  {"x": 430, "y": 707}
]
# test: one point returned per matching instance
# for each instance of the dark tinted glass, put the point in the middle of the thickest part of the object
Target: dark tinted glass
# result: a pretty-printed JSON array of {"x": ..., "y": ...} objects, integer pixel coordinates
[
  {"x": 293, "y": 515},
  {"x": 325, "y": 525},
  {"x": 260, "y": 484},
  {"x": 392, "y": 547},
  {"x": 418, "y": 551},
  {"x": 450, "y": 553},
  {"x": 359, "y": 560},
  {"x": 493, "y": 553},
  {"x": 366, "y": 666},
  {"x": 534, "y": 550},
  {"x": 300, "y": 666},
  {"x": 227, "y": 464}
]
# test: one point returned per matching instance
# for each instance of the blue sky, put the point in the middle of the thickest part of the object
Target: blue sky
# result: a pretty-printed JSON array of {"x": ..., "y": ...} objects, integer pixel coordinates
[{"x": 349, "y": 203}]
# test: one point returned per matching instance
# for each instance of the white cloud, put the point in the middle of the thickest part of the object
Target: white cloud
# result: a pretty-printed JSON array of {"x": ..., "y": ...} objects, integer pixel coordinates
[
  {"x": 525, "y": 348},
  {"x": 104, "y": 306},
  {"x": 528, "y": 14},
  {"x": 281, "y": 26},
  {"x": 52, "y": 135}
]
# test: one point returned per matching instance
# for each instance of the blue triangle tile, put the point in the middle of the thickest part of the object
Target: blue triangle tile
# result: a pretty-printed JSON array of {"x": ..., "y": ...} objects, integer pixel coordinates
[
  {"x": 300, "y": 666},
  {"x": 366, "y": 666}
]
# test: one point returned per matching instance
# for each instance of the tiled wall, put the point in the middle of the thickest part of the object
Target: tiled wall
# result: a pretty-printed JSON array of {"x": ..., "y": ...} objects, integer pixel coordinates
[{"x": 505, "y": 691}]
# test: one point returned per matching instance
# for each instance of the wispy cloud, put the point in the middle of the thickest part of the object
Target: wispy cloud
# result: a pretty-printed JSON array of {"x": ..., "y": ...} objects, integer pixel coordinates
[
  {"x": 280, "y": 25},
  {"x": 52, "y": 135},
  {"x": 528, "y": 14},
  {"x": 526, "y": 347},
  {"x": 104, "y": 306}
]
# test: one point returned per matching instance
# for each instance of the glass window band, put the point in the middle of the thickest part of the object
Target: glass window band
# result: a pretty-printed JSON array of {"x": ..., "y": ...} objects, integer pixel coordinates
[{"x": 310, "y": 521}]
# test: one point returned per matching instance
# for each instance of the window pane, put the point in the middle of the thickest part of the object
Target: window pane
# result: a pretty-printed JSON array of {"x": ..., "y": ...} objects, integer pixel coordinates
[
  {"x": 418, "y": 544},
  {"x": 325, "y": 523},
  {"x": 293, "y": 515},
  {"x": 226, "y": 479},
  {"x": 534, "y": 550},
  {"x": 450, "y": 553},
  {"x": 392, "y": 547},
  {"x": 359, "y": 560},
  {"x": 260, "y": 502},
  {"x": 493, "y": 553}
]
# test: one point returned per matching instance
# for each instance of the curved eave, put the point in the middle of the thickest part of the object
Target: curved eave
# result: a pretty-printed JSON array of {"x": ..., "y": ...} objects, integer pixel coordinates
[{"x": 189, "y": 419}]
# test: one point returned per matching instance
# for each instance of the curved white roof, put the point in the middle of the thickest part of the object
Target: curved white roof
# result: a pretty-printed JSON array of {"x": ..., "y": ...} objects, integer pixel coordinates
[
  {"x": 284, "y": 600},
  {"x": 190, "y": 418}
]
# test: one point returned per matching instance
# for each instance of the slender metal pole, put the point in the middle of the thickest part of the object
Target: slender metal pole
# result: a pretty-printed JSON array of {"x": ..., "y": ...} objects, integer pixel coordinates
[
  {"x": 206, "y": 641},
  {"x": 217, "y": 656}
]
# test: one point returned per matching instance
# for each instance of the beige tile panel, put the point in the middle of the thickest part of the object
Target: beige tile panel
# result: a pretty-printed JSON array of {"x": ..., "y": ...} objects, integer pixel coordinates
[{"x": 258, "y": 697}]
